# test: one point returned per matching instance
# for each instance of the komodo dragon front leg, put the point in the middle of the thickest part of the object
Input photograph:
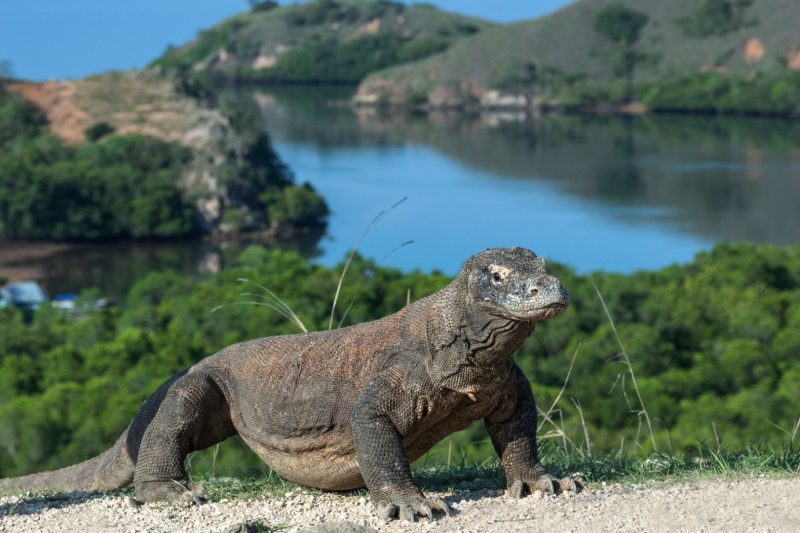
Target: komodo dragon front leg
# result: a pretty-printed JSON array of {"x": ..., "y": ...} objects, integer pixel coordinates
[
  {"x": 512, "y": 428},
  {"x": 383, "y": 413}
]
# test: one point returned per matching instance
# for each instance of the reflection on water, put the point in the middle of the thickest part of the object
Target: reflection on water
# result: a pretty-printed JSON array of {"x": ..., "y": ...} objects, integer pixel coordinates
[
  {"x": 115, "y": 266},
  {"x": 596, "y": 192}
]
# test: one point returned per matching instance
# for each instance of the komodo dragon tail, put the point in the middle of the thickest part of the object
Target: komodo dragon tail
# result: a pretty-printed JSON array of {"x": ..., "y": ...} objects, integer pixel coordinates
[{"x": 112, "y": 469}]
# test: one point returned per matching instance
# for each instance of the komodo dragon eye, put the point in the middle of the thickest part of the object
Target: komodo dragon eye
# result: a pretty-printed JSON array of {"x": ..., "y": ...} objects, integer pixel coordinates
[{"x": 497, "y": 277}]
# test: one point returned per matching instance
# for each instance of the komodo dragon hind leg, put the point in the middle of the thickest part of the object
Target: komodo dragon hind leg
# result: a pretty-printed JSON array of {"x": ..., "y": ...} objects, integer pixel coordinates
[{"x": 193, "y": 415}]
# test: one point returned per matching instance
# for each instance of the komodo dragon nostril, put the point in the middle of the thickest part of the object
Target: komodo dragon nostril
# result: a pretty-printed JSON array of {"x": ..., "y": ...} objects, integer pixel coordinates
[{"x": 534, "y": 291}]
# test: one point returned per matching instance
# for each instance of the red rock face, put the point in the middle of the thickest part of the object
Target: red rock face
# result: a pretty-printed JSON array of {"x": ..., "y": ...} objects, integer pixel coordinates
[
  {"x": 793, "y": 59},
  {"x": 753, "y": 50}
]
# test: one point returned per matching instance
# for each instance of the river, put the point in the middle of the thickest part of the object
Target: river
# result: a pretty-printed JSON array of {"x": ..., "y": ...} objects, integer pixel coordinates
[{"x": 612, "y": 193}]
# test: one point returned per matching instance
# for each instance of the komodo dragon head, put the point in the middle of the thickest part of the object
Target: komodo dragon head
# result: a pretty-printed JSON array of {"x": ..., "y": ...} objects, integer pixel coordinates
[{"x": 512, "y": 283}]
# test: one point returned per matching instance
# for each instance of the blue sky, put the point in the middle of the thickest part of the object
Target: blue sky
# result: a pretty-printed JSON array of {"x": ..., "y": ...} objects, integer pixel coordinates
[{"x": 62, "y": 39}]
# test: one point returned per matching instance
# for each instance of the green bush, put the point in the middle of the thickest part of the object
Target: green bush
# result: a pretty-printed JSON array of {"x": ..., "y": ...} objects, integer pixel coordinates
[
  {"x": 295, "y": 205},
  {"x": 125, "y": 186},
  {"x": 263, "y": 5},
  {"x": 716, "y": 17},
  {"x": 98, "y": 130},
  {"x": 318, "y": 12},
  {"x": 621, "y": 24},
  {"x": 762, "y": 93},
  {"x": 18, "y": 118}
]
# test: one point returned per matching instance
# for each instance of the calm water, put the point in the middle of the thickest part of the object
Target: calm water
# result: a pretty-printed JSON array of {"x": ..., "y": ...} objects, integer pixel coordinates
[{"x": 596, "y": 193}]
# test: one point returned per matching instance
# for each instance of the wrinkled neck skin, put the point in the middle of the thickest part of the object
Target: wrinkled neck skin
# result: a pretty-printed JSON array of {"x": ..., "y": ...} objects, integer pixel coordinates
[{"x": 469, "y": 345}]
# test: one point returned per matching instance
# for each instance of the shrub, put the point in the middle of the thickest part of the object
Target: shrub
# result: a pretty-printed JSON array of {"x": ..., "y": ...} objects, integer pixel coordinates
[
  {"x": 716, "y": 17},
  {"x": 263, "y": 5},
  {"x": 296, "y": 205},
  {"x": 125, "y": 186},
  {"x": 98, "y": 130},
  {"x": 18, "y": 118}
]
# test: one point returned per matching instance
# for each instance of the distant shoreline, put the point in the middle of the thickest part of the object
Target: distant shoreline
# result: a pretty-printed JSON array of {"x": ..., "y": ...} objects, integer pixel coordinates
[{"x": 635, "y": 108}]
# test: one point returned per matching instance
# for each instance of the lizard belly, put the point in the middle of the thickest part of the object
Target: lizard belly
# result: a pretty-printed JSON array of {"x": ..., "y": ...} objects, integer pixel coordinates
[{"x": 326, "y": 462}]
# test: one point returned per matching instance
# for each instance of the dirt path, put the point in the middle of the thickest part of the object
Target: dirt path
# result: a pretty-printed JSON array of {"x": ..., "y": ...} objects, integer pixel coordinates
[{"x": 755, "y": 504}]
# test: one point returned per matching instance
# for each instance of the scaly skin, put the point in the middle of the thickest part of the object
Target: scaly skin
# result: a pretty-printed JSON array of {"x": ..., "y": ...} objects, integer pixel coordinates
[{"x": 351, "y": 407}]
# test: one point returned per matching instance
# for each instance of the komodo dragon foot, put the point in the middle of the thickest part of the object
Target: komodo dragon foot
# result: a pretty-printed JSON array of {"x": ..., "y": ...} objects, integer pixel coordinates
[
  {"x": 172, "y": 490},
  {"x": 407, "y": 507},
  {"x": 546, "y": 483}
]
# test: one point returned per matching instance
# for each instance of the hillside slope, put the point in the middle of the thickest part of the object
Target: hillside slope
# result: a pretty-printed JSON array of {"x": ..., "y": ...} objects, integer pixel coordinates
[
  {"x": 541, "y": 57},
  {"x": 320, "y": 40},
  {"x": 231, "y": 176}
]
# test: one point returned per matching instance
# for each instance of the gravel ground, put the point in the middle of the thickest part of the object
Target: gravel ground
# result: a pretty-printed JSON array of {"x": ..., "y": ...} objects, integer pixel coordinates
[{"x": 752, "y": 504}]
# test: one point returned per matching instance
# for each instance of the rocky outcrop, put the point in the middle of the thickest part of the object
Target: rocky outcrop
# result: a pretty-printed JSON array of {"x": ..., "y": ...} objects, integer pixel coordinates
[{"x": 148, "y": 103}]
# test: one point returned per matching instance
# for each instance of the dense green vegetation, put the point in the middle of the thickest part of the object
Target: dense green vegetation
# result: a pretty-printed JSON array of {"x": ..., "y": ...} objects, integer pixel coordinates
[
  {"x": 122, "y": 187},
  {"x": 712, "y": 347},
  {"x": 769, "y": 94},
  {"x": 717, "y": 17},
  {"x": 327, "y": 61},
  {"x": 18, "y": 118}
]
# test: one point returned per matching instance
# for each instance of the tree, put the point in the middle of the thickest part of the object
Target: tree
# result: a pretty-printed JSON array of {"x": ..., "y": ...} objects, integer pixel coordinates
[
  {"x": 262, "y": 5},
  {"x": 716, "y": 17},
  {"x": 98, "y": 130},
  {"x": 623, "y": 26}
]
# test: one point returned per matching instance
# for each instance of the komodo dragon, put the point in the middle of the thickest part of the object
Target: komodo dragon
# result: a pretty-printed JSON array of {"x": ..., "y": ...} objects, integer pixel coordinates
[{"x": 340, "y": 409}]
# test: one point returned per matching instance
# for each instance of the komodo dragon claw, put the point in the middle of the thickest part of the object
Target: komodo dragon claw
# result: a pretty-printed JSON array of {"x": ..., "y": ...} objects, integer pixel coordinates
[
  {"x": 544, "y": 483},
  {"x": 409, "y": 511}
]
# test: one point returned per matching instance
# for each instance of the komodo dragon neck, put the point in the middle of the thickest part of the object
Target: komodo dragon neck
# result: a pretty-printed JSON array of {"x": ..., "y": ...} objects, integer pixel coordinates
[{"x": 467, "y": 345}]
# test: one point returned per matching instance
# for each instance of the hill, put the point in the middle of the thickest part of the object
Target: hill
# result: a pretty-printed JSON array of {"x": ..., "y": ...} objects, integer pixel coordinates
[
  {"x": 606, "y": 51},
  {"x": 132, "y": 155},
  {"x": 337, "y": 41}
]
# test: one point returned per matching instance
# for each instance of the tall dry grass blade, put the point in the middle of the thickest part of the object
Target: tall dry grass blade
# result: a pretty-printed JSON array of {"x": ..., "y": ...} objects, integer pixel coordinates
[
  {"x": 563, "y": 386},
  {"x": 556, "y": 432},
  {"x": 583, "y": 425},
  {"x": 628, "y": 364},
  {"x": 277, "y": 302},
  {"x": 377, "y": 218},
  {"x": 297, "y": 323},
  {"x": 214, "y": 461},
  {"x": 360, "y": 287},
  {"x": 277, "y": 299},
  {"x": 669, "y": 436}
]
